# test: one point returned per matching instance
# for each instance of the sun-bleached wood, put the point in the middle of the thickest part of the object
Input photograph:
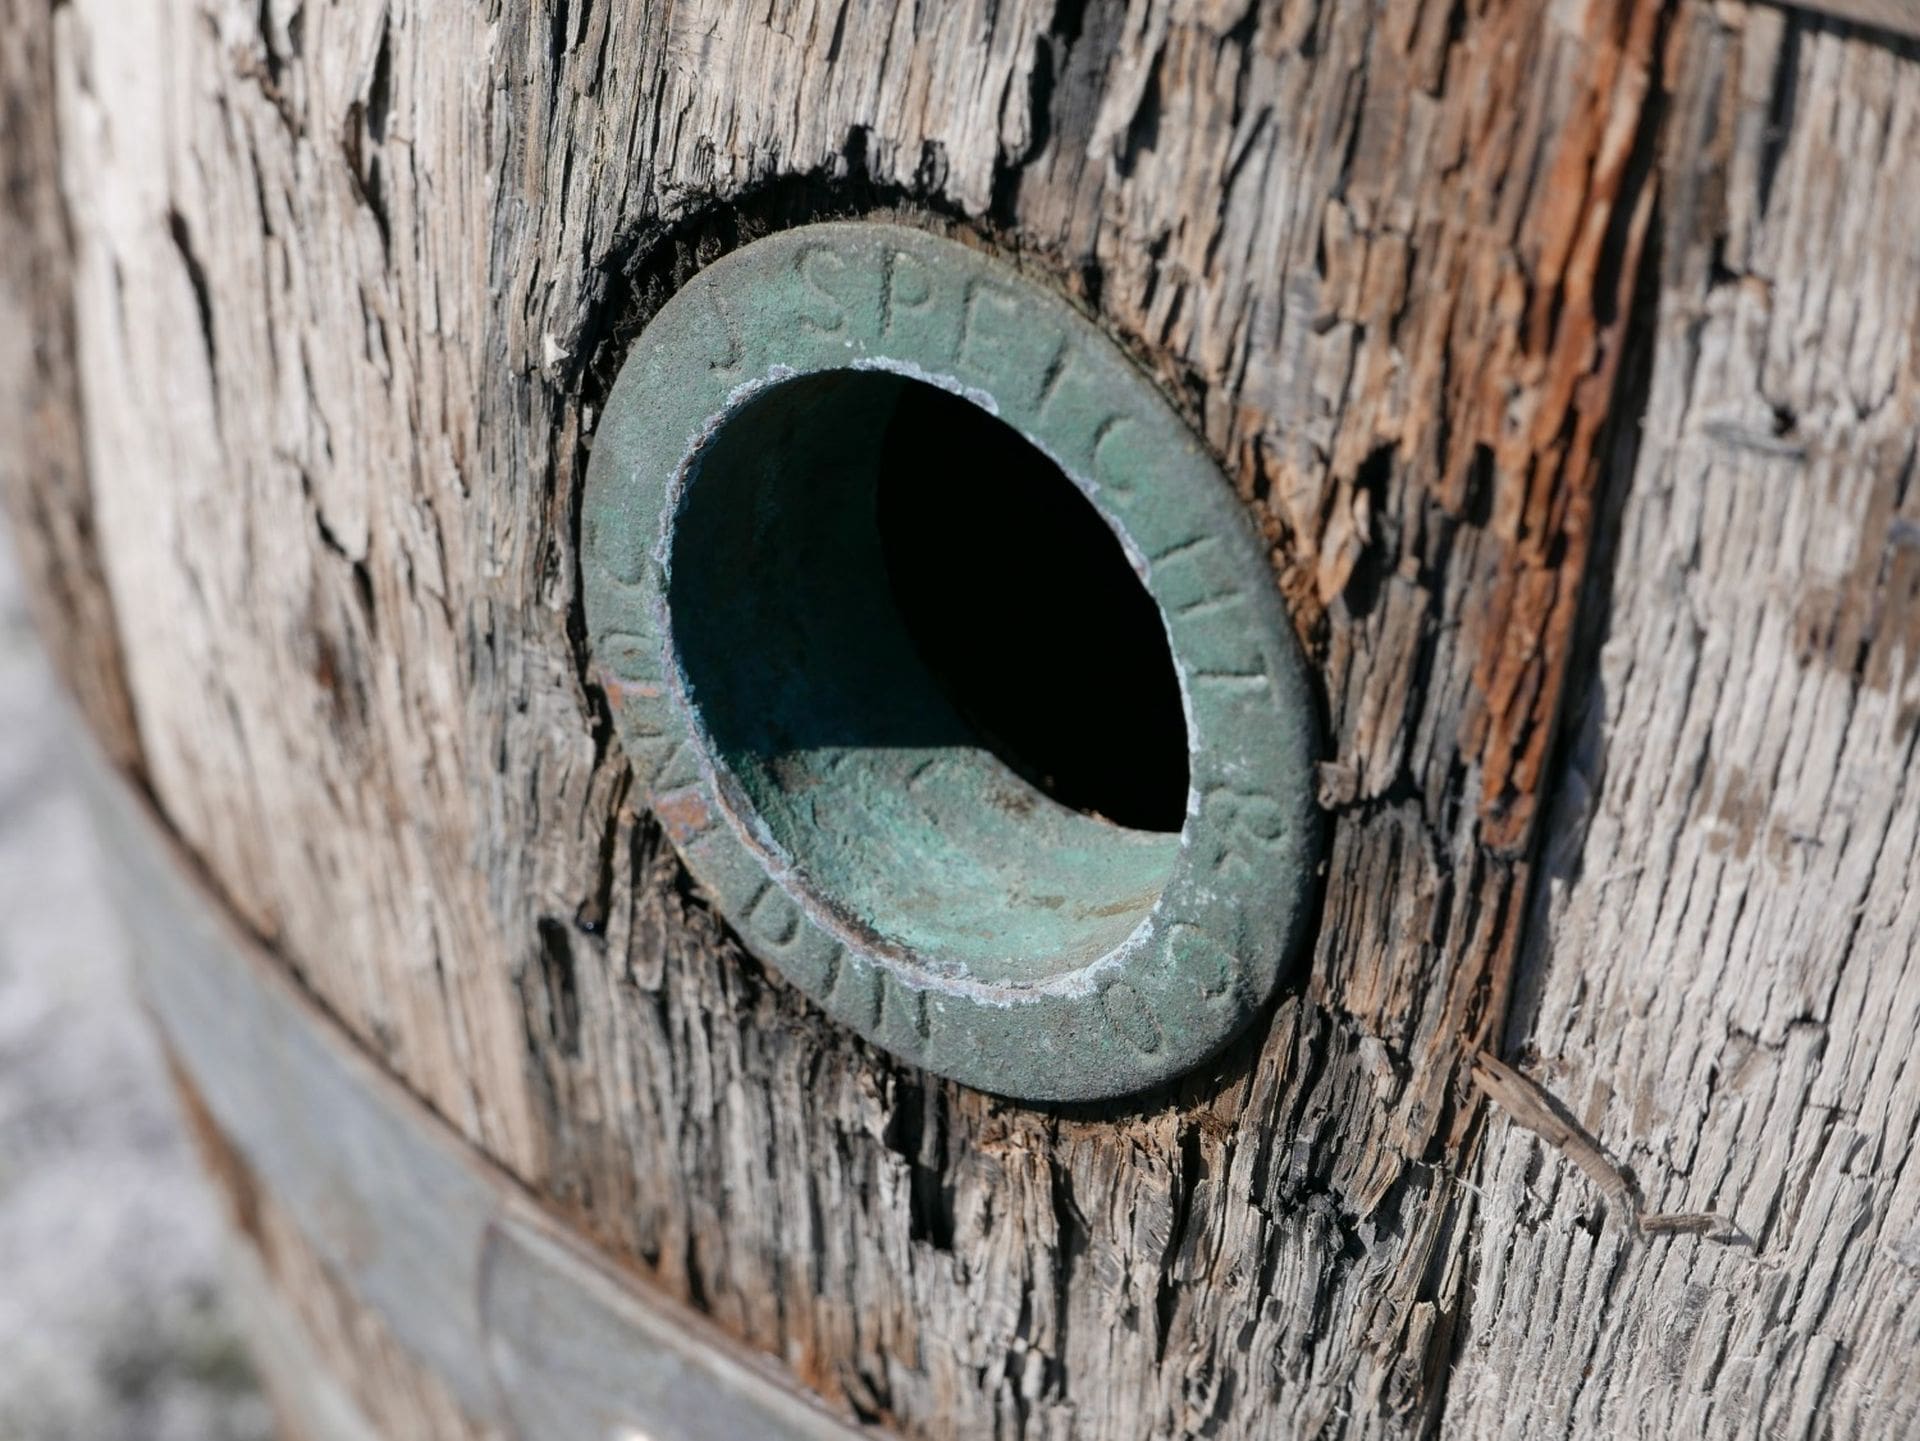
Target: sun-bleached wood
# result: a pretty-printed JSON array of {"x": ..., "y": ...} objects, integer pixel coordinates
[
  {"x": 348, "y": 282},
  {"x": 1722, "y": 979}
]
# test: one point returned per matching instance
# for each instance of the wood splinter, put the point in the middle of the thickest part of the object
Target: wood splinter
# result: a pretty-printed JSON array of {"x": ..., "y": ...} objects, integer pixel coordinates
[{"x": 1529, "y": 1104}]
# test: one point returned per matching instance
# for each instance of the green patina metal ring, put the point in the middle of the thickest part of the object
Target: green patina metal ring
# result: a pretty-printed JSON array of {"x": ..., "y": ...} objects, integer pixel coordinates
[{"x": 862, "y": 841}]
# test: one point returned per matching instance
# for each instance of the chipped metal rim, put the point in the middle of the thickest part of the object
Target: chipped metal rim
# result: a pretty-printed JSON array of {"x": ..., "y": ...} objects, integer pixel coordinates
[{"x": 1212, "y": 947}]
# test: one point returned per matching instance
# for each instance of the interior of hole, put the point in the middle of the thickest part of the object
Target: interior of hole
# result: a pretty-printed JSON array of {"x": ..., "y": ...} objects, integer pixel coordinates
[
  {"x": 932, "y": 678},
  {"x": 1028, "y": 613}
]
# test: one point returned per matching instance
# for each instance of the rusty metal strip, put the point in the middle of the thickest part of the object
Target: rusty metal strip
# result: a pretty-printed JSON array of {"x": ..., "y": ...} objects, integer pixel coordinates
[{"x": 531, "y": 1331}]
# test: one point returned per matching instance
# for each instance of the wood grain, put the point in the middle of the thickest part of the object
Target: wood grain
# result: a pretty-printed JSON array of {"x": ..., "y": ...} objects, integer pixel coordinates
[
  {"x": 44, "y": 485},
  {"x": 350, "y": 281},
  {"x": 1721, "y": 981}
]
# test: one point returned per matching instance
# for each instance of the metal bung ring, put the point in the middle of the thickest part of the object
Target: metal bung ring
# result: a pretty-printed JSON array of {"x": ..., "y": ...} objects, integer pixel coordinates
[{"x": 860, "y": 833}]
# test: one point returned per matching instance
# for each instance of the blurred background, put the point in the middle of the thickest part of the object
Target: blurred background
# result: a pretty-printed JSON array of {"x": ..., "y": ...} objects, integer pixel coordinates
[{"x": 113, "y": 1326}]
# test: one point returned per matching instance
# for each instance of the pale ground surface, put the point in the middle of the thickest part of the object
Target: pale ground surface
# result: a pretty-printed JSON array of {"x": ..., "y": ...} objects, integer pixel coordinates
[{"x": 112, "y": 1325}]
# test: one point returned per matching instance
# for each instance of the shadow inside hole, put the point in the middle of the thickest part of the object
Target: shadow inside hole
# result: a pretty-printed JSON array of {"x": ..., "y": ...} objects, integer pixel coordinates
[
  {"x": 1028, "y": 614},
  {"x": 931, "y": 673}
]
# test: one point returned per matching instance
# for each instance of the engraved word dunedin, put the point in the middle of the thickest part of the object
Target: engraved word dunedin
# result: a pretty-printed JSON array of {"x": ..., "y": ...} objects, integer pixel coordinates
[{"x": 855, "y": 829}]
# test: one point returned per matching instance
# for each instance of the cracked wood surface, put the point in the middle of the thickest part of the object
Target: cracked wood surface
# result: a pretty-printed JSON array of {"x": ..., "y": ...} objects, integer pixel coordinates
[
  {"x": 348, "y": 283},
  {"x": 43, "y": 474},
  {"x": 1723, "y": 980}
]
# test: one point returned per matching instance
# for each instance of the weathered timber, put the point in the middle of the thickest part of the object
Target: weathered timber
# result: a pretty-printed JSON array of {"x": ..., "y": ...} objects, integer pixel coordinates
[
  {"x": 1556, "y": 350},
  {"x": 1720, "y": 977},
  {"x": 43, "y": 477},
  {"x": 425, "y": 1252}
]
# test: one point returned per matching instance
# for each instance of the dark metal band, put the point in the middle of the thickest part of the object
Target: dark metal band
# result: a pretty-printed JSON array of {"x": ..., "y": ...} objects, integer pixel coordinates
[
  {"x": 530, "y": 1331},
  {"x": 1899, "y": 17}
]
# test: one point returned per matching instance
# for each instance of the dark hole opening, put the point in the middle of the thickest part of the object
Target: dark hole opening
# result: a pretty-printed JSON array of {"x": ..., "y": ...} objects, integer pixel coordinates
[{"x": 1024, "y": 607}]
